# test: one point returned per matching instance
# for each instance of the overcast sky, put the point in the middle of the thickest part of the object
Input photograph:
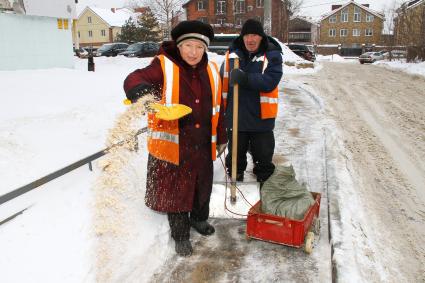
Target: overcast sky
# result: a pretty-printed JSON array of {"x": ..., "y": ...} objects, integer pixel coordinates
[{"x": 312, "y": 8}]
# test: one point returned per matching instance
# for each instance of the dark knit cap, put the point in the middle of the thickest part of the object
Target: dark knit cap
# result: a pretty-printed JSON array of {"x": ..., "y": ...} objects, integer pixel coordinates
[
  {"x": 252, "y": 27},
  {"x": 192, "y": 30}
]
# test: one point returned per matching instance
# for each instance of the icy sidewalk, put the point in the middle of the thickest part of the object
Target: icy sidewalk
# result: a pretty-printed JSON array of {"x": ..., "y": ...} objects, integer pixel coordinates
[{"x": 228, "y": 256}]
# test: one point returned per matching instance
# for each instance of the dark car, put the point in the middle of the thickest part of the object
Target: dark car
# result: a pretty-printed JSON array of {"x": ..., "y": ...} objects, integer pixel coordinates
[
  {"x": 141, "y": 49},
  {"x": 303, "y": 51},
  {"x": 221, "y": 43},
  {"x": 111, "y": 49}
]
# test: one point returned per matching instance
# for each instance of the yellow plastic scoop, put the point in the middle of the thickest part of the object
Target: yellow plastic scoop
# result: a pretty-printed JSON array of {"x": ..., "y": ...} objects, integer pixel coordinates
[{"x": 169, "y": 113}]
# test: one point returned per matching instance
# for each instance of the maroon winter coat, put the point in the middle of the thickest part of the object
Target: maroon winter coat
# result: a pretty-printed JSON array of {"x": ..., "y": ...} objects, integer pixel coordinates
[{"x": 171, "y": 188}]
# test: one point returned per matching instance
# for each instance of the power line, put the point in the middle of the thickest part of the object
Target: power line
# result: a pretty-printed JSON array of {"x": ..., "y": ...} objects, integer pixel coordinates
[{"x": 334, "y": 2}]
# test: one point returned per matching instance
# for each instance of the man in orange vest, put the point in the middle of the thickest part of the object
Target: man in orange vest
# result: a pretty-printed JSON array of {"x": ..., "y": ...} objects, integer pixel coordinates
[
  {"x": 182, "y": 147},
  {"x": 260, "y": 71}
]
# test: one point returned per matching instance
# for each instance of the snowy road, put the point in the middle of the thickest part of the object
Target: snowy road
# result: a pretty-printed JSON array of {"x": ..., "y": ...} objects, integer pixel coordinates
[{"x": 381, "y": 115}]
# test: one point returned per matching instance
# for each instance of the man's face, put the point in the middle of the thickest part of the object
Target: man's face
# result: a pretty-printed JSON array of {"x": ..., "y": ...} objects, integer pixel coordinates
[{"x": 252, "y": 42}]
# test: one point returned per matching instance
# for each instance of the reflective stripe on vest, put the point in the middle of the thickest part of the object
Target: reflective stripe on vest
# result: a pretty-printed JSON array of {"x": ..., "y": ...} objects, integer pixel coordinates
[
  {"x": 268, "y": 100},
  {"x": 163, "y": 136},
  {"x": 215, "y": 82},
  {"x": 226, "y": 71}
]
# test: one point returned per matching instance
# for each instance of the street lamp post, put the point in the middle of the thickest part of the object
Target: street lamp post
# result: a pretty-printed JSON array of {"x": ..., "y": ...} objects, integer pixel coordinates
[{"x": 268, "y": 17}]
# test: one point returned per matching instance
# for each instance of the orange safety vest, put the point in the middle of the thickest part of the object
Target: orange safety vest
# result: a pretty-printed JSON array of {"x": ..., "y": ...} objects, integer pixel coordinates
[
  {"x": 163, "y": 136},
  {"x": 268, "y": 100}
]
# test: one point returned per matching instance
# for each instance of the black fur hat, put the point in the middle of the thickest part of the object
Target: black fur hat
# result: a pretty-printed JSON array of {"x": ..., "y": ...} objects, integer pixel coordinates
[
  {"x": 192, "y": 30},
  {"x": 252, "y": 26}
]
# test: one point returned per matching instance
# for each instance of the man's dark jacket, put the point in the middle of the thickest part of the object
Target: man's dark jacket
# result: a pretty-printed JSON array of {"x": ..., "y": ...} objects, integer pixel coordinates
[{"x": 249, "y": 94}]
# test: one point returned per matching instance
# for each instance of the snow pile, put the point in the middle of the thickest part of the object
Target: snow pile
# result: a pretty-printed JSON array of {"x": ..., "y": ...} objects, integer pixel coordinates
[
  {"x": 335, "y": 58},
  {"x": 410, "y": 68},
  {"x": 294, "y": 64}
]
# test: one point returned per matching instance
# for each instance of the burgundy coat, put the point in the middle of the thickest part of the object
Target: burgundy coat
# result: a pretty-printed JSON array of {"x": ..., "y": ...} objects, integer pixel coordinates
[{"x": 171, "y": 188}]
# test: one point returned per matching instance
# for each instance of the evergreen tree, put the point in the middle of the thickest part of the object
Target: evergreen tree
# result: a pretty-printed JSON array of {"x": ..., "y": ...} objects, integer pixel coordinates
[
  {"x": 149, "y": 29},
  {"x": 129, "y": 32}
]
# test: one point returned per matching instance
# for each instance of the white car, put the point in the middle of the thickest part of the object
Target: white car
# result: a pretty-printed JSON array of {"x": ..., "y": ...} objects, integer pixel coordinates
[{"x": 370, "y": 57}]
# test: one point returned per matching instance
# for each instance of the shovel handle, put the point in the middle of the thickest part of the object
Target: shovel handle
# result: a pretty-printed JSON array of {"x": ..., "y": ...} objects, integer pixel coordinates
[{"x": 235, "y": 135}]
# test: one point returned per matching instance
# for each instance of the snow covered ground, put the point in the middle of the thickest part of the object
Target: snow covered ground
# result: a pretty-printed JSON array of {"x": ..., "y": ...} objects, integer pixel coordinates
[{"x": 51, "y": 118}]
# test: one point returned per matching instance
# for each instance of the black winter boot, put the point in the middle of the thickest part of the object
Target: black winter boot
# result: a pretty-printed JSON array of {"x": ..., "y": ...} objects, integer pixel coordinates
[
  {"x": 203, "y": 227},
  {"x": 184, "y": 248}
]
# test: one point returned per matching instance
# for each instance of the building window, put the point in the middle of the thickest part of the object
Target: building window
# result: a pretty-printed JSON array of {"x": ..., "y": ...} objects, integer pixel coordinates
[
  {"x": 89, "y": 20},
  {"x": 221, "y": 21},
  {"x": 239, "y": 6},
  {"x": 103, "y": 32},
  {"x": 201, "y": 5},
  {"x": 369, "y": 32},
  {"x": 356, "y": 32},
  {"x": 90, "y": 33},
  {"x": 344, "y": 15},
  {"x": 260, "y": 19},
  {"x": 369, "y": 18},
  {"x": 238, "y": 21},
  {"x": 332, "y": 32},
  {"x": 259, "y": 3},
  {"x": 203, "y": 19},
  {"x": 343, "y": 32},
  {"x": 332, "y": 19},
  {"x": 221, "y": 8},
  {"x": 357, "y": 14}
]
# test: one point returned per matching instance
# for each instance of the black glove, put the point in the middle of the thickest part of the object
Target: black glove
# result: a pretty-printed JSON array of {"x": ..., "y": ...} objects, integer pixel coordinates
[
  {"x": 237, "y": 76},
  {"x": 139, "y": 91}
]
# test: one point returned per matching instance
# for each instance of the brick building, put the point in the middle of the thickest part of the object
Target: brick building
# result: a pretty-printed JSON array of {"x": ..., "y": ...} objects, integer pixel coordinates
[
  {"x": 353, "y": 27},
  {"x": 303, "y": 30},
  {"x": 229, "y": 16}
]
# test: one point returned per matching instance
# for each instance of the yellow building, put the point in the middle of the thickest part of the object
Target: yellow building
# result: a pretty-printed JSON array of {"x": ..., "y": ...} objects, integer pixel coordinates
[
  {"x": 352, "y": 25},
  {"x": 96, "y": 26}
]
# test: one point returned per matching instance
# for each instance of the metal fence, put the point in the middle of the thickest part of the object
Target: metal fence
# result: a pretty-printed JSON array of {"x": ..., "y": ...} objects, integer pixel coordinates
[{"x": 58, "y": 173}]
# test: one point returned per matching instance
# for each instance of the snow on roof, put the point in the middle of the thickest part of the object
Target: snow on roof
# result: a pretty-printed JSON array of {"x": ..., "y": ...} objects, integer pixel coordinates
[
  {"x": 116, "y": 19},
  {"x": 357, "y": 4},
  {"x": 413, "y": 4}
]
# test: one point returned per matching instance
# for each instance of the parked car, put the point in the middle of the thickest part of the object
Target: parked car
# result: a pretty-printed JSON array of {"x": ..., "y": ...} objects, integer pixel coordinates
[
  {"x": 81, "y": 52},
  {"x": 111, "y": 49},
  {"x": 221, "y": 43},
  {"x": 303, "y": 51},
  {"x": 141, "y": 49},
  {"x": 370, "y": 57}
]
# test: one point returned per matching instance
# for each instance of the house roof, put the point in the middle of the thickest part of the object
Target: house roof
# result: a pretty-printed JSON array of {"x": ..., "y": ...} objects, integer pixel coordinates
[
  {"x": 187, "y": 2},
  {"x": 414, "y": 3},
  {"x": 307, "y": 19},
  {"x": 358, "y": 5},
  {"x": 113, "y": 19}
]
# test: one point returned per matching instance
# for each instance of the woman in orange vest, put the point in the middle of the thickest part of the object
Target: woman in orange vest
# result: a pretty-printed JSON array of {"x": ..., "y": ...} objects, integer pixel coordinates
[{"x": 182, "y": 149}]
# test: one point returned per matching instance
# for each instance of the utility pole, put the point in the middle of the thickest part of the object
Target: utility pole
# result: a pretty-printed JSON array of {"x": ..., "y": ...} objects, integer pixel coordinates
[{"x": 268, "y": 17}]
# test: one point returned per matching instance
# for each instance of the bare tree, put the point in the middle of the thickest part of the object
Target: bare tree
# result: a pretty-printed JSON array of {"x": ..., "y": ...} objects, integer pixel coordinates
[
  {"x": 164, "y": 11},
  {"x": 410, "y": 29},
  {"x": 290, "y": 8},
  {"x": 293, "y": 6},
  {"x": 388, "y": 34}
]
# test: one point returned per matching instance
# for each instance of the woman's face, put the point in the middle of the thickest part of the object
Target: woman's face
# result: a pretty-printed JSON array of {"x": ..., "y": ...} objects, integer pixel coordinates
[{"x": 192, "y": 51}]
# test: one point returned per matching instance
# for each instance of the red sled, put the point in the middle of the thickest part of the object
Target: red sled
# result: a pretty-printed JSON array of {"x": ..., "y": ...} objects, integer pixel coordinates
[{"x": 285, "y": 231}]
